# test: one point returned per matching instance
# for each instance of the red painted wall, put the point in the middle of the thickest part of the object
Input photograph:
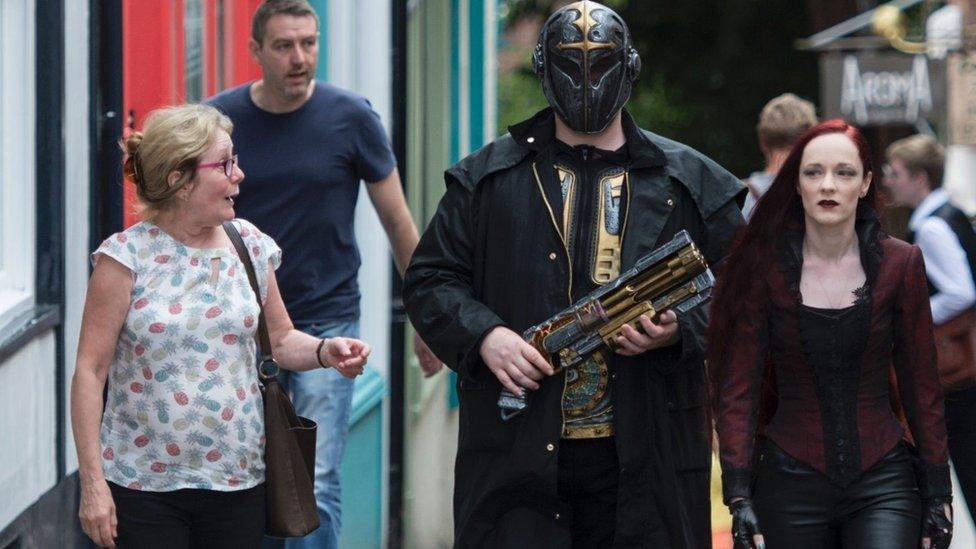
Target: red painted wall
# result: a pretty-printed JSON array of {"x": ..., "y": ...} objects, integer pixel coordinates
[
  {"x": 240, "y": 67},
  {"x": 153, "y": 72}
]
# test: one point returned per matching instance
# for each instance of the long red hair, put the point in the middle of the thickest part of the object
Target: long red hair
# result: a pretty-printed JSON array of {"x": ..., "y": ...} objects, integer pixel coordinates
[{"x": 754, "y": 249}]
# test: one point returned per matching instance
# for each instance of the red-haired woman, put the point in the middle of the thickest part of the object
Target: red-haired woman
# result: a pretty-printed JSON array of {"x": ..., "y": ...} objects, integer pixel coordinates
[{"x": 813, "y": 308}]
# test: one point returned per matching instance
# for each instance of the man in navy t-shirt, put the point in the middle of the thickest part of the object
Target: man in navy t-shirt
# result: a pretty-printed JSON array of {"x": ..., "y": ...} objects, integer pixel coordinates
[{"x": 304, "y": 147}]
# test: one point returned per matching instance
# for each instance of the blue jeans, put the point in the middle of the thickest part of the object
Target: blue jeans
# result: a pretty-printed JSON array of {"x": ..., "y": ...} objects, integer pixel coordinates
[{"x": 325, "y": 397}]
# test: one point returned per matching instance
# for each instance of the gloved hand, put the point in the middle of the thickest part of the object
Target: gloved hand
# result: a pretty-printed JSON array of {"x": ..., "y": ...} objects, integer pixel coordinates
[
  {"x": 936, "y": 523},
  {"x": 745, "y": 526}
]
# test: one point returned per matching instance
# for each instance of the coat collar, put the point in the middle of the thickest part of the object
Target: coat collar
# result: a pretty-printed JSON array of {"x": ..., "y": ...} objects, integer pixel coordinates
[
  {"x": 537, "y": 132},
  {"x": 867, "y": 226}
]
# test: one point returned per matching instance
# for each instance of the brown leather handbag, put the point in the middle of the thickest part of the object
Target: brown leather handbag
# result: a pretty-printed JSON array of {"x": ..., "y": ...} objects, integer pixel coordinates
[
  {"x": 289, "y": 449},
  {"x": 955, "y": 342}
]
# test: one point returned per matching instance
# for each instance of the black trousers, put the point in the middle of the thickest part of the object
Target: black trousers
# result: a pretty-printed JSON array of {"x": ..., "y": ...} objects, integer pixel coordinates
[
  {"x": 587, "y": 479},
  {"x": 960, "y": 415},
  {"x": 189, "y": 518},
  {"x": 798, "y": 508}
]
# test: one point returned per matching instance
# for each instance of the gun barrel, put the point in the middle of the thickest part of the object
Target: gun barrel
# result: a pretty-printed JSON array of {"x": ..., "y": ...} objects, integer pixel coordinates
[{"x": 688, "y": 263}]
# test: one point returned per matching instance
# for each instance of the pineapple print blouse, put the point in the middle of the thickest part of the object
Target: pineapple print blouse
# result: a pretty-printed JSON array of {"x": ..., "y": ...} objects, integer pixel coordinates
[{"x": 184, "y": 409}]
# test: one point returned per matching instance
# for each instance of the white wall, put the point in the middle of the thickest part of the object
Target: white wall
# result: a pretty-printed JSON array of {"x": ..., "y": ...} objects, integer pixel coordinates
[
  {"x": 359, "y": 60},
  {"x": 28, "y": 419},
  {"x": 28, "y": 415},
  {"x": 359, "y": 50},
  {"x": 27, "y": 427},
  {"x": 77, "y": 187}
]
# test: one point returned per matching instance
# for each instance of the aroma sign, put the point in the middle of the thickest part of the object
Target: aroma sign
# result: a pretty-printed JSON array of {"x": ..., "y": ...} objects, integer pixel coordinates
[{"x": 883, "y": 89}]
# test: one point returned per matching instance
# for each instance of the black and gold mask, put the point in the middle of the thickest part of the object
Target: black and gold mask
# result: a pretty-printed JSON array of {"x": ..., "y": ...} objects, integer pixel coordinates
[{"x": 587, "y": 64}]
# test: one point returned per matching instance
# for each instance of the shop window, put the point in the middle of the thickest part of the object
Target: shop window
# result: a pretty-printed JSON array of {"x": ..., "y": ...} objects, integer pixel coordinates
[
  {"x": 219, "y": 57},
  {"x": 193, "y": 50},
  {"x": 17, "y": 158}
]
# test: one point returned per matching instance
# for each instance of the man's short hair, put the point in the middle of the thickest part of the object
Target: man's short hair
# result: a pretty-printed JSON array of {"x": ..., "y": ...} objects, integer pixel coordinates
[
  {"x": 783, "y": 120},
  {"x": 270, "y": 8},
  {"x": 920, "y": 153}
]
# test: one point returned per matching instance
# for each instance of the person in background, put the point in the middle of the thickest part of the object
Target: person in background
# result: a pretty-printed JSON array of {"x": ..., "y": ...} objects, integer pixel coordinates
[
  {"x": 813, "y": 453},
  {"x": 175, "y": 457},
  {"x": 306, "y": 145},
  {"x": 782, "y": 121},
  {"x": 913, "y": 178}
]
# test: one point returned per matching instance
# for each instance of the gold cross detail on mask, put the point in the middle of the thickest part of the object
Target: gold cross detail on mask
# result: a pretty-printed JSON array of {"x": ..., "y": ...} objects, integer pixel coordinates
[{"x": 584, "y": 23}]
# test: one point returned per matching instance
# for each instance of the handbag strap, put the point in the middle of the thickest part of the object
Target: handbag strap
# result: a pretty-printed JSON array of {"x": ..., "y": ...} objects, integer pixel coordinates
[{"x": 263, "y": 339}]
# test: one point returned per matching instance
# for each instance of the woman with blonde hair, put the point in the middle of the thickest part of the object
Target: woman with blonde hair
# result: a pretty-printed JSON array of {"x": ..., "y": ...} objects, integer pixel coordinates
[{"x": 174, "y": 458}]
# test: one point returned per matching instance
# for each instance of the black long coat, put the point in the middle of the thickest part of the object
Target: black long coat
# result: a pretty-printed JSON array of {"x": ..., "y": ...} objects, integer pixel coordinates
[{"x": 491, "y": 256}]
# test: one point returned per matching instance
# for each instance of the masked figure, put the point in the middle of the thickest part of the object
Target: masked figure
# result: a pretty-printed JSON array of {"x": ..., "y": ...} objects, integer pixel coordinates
[
  {"x": 613, "y": 452},
  {"x": 587, "y": 65}
]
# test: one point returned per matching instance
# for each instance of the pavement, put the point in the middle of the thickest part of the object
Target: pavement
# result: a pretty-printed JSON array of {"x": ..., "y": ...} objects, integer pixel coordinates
[{"x": 963, "y": 533}]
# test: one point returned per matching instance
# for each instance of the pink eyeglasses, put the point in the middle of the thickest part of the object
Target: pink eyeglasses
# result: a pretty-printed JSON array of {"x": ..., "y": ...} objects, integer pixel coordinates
[{"x": 227, "y": 163}]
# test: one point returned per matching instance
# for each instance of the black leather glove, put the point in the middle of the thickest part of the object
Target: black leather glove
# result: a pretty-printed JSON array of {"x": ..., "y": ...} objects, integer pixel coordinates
[
  {"x": 935, "y": 523},
  {"x": 745, "y": 525}
]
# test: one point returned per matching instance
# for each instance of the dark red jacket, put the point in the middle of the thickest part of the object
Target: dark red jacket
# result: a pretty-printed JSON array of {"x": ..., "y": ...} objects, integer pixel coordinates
[{"x": 838, "y": 423}]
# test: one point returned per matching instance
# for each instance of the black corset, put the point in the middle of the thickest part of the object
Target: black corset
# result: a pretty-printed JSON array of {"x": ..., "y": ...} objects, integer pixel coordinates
[{"x": 833, "y": 345}]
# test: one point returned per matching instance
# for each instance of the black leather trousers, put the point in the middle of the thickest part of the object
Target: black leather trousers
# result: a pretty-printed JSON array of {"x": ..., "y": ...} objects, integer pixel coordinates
[{"x": 798, "y": 508}]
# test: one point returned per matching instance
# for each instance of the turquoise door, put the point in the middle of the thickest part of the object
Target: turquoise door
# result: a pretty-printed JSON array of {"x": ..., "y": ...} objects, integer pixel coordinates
[{"x": 362, "y": 466}]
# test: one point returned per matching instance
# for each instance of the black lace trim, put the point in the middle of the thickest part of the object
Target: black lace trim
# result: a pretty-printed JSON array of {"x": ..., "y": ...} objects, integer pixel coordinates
[
  {"x": 862, "y": 294},
  {"x": 869, "y": 236},
  {"x": 833, "y": 347}
]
